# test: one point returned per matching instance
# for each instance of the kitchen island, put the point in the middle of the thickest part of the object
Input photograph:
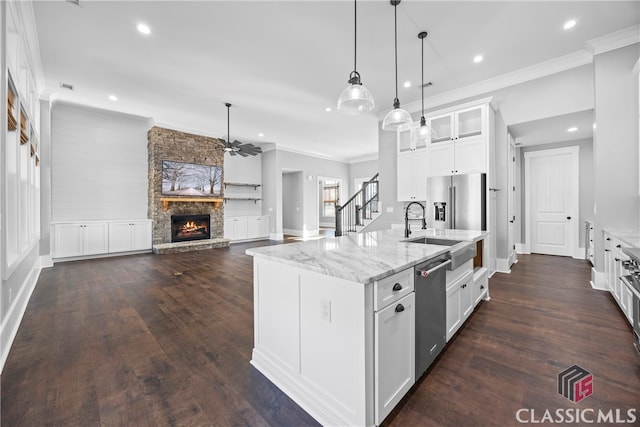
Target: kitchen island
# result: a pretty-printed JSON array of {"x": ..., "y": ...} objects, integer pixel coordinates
[{"x": 334, "y": 320}]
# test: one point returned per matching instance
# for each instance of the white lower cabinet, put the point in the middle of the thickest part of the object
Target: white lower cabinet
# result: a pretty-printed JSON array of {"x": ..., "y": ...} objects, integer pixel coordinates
[
  {"x": 80, "y": 239},
  {"x": 129, "y": 236},
  {"x": 460, "y": 302},
  {"x": 394, "y": 354},
  {"x": 246, "y": 227},
  {"x": 613, "y": 269}
]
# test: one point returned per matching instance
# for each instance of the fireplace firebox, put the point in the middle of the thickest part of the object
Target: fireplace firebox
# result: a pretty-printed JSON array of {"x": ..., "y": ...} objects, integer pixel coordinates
[{"x": 190, "y": 227}]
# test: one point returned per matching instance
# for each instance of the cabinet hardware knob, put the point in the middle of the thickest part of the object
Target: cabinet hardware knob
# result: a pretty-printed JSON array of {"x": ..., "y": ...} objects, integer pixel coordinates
[
  {"x": 481, "y": 286},
  {"x": 397, "y": 287},
  {"x": 608, "y": 238},
  {"x": 618, "y": 246},
  {"x": 617, "y": 259},
  {"x": 606, "y": 250},
  {"x": 399, "y": 308},
  {"x": 568, "y": 217}
]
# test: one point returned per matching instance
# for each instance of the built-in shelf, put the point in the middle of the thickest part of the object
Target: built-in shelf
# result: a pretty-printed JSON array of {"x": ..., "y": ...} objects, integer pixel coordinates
[
  {"x": 166, "y": 200},
  {"x": 241, "y": 184},
  {"x": 255, "y": 200}
]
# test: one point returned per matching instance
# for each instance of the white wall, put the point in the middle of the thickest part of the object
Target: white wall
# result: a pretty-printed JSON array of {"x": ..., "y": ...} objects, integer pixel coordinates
[
  {"x": 366, "y": 169},
  {"x": 99, "y": 164},
  {"x": 275, "y": 162},
  {"x": 292, "y": 196},
  {"x": 617, "y": 205},
  {"x": 247, "y": 170}
]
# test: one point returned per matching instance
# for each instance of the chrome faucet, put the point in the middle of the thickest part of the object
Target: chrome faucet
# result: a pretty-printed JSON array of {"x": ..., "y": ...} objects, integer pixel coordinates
[{"x": 407, "y": 229}]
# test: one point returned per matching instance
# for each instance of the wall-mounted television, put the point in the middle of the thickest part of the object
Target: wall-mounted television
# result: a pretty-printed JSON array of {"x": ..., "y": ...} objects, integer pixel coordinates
[{"x": 190, "y": 179}]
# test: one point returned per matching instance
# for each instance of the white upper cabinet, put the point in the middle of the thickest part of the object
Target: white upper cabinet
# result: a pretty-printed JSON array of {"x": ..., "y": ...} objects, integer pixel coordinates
[
  {"x": 404, "y": 142},
  {"x": 460, "y": 142}
]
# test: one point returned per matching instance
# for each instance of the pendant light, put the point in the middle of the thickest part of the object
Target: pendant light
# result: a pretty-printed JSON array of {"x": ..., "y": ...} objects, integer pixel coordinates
[
  {"x": 396, "y": 119},
  {"x": 422, "y": 134},
  {"x": 356, "y": 98}
]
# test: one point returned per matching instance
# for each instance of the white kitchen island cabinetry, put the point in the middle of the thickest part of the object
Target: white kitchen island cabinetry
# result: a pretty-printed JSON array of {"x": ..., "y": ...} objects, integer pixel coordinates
[
  {"x": 334, "y": 321},
  {"x": 320, "y": 339}
]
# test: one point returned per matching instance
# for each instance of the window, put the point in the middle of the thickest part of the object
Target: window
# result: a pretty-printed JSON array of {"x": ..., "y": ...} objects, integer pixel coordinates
[{"x": 330, "y": 196}]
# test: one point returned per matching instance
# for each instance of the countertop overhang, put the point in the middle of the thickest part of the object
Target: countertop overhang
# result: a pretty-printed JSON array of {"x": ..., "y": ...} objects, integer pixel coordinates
[{"x": 364, "y": 257}]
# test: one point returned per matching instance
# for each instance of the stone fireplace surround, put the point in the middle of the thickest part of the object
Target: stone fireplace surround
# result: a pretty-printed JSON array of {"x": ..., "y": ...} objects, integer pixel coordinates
[{"x": 168, "y": 144}]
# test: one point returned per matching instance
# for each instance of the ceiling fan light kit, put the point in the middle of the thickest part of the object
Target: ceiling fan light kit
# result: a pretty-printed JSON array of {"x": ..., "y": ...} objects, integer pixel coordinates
[
  {"x": 237, "y": 147},
  {"x": 356, "y": 98},
  {"x": 423, "y": 133},
  {"x": 396, "y": 119}
]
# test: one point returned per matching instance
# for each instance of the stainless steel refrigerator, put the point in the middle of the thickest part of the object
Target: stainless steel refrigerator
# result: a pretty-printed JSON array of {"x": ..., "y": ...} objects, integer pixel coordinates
[{"x": 457, "y": 201}]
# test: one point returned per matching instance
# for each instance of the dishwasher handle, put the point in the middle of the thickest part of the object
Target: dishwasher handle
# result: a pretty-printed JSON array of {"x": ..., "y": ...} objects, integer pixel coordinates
[{"x": 425, "y": 273}]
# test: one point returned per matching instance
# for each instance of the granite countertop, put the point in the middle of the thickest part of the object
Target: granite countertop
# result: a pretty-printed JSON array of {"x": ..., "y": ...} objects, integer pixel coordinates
[
  {"x": 363, "y": 257},
  {"x": 630, "y": 237}
]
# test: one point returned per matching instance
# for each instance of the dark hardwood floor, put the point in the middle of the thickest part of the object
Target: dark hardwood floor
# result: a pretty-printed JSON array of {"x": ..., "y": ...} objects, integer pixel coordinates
[{"x": 166, "y": 340}]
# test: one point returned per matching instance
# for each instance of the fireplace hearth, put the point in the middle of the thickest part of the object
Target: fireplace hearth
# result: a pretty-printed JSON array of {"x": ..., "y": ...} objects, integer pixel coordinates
[{"x": 190, "y": 227}]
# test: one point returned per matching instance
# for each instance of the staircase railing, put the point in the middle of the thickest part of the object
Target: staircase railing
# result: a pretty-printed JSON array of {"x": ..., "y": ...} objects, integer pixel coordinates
[{"x": 359, "y": 207}]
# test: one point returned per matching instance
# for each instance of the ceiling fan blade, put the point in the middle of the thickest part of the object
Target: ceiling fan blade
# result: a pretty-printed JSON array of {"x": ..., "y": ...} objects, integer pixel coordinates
[
  {"x": 243, "y": 154},
  {"x": 233, "y": 153}
]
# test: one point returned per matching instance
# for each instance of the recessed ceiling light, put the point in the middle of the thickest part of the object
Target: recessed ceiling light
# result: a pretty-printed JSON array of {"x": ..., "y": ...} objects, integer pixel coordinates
[
  {"x": 144, "y": 28},
  {"x": 477, "y": 58},
  {"x": 572, "y": 129},
  {"x": 407, "y": 84},
  {"x": 113, "y": 98},
  {"x": 569, "y": 24},
  {"x": 328, "y": 109},
  {"x": 261, "y": 134}
]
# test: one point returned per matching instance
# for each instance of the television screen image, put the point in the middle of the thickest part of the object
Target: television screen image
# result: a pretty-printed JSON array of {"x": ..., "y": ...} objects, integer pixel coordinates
[{"x": 189, "y": 179}]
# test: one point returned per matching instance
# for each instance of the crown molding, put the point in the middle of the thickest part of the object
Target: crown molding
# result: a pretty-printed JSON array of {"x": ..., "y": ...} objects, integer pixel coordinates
[
  {"x": 615, "y": 40},
  {"x": 313, "y": 154},
  {"x": 543, "y": 69},
  {"x": 365, "y": 158}
]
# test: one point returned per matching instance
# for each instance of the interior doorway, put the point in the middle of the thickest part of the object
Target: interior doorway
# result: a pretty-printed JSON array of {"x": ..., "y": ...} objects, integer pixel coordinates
[
  {"x": 551, "y": 200},
  {"x": 329, "y": 194}
]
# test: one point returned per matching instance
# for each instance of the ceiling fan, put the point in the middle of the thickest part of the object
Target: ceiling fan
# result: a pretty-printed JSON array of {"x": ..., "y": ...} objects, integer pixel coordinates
[{"x": 237, "y": 147}]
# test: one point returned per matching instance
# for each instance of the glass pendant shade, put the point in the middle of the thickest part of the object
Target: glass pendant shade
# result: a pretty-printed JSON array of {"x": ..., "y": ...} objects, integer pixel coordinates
[
  {"x": 397, "y": 119},
  {"x": 421, "y": 135},
  {"x": 356, "y": 98}
]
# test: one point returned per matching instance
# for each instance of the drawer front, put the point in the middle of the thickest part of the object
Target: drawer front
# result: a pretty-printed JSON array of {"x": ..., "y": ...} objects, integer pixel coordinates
[{"x": 392, "y": 288}]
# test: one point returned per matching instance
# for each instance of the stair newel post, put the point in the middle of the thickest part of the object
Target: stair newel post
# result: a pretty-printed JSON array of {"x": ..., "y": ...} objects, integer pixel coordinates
[{"x": 338, "y": 211}]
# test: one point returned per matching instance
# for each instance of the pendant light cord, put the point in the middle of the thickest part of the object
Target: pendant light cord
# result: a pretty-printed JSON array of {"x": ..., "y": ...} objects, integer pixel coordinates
[
  {"x": 228, "y": 136},
  {"x": 355, "y": 33},
  {"x": 422, "y": 77},
  {"x": 395, "y": 31}
]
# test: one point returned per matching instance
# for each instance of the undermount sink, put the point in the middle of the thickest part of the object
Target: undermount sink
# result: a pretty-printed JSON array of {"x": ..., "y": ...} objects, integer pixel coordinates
[{"x": 434, "y": 241}]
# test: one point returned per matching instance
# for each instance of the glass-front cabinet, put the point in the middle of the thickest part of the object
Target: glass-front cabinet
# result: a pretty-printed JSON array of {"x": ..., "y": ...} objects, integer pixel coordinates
[
  {"x": 404, "y": 141},
  {"x": 457, "y": 125}
]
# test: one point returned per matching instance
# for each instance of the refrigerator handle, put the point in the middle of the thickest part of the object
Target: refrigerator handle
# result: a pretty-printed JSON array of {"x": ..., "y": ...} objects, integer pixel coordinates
[
  {"x": 450, "y": 214},
  {"x": 453, "y": 207}
]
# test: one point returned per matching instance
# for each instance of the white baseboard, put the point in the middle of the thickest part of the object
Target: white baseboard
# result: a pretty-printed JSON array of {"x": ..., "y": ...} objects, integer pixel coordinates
[
  {"x": 502, "y": 265},
  {"x": 523, "y": 248},
  {"x": 578, "y": 253},
  {"x": 301, "y": 233},
  {"x": 46, "y": 261},
  {"x": 597, "y": 280},
  {"x": 513, "y": 258},
  {"x": 276, "y": 236},
  {"x": 11, "y": 323}
]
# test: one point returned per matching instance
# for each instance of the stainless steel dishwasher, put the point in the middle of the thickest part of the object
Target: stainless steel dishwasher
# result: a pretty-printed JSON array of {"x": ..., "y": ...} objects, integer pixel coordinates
[{"x": 431, "y": 315}]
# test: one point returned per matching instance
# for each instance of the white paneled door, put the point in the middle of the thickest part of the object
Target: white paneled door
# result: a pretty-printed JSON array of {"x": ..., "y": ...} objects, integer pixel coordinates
[{"x": 551, "y": 199}]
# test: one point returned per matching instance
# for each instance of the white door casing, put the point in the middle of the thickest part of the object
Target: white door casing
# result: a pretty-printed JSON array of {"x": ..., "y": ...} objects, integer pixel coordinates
[
  {"x": 551, "y": 200},
  {"x": 511, "y": 189}
]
